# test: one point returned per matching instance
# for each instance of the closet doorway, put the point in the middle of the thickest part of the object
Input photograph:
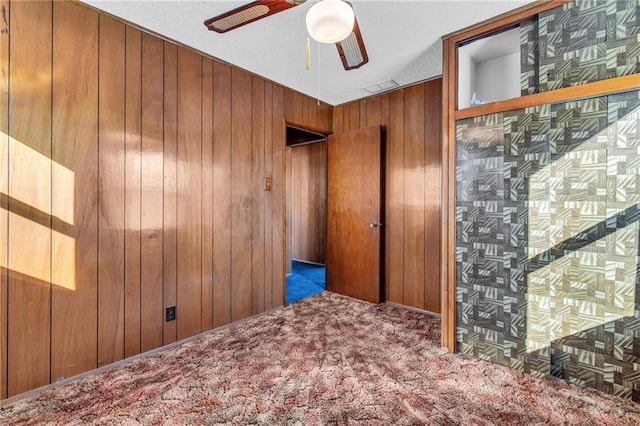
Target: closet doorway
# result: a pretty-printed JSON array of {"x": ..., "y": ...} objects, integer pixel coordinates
[{"x": 306, "y": 157}]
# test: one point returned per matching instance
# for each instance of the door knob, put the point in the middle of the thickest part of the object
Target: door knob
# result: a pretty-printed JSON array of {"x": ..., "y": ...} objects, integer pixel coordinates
[{"x": 375, "y": 224}]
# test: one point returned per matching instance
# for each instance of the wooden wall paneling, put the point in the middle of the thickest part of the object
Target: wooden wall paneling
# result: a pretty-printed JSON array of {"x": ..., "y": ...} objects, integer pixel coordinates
[
  {"x": 395, "y": 198},
  {"x": 29, "y": 196},
  {"x": 308, "y": 201},
  {"x": 268, "y": 197},
  {"x": 346, "y": 118},
  {"x": 338, "y": 114},
  {"x": 278, "y": 193},
  {"x": 293, "y": 205},
  {"x": 152, "y": 200},
  {"x": 207, "y": 194},
  {"x": 111, "y": 190},
  {"x": 241, "y": 122},
  {"x": 432, "y": 209},
  {"x": 133, "y": 185},
  {"x": 298, "y": 107},
  {"x": 75, "y": 155},
  {"x": 257, "y": 196},
  {"x": 354, "y": 115},
  {"x": 364, "y": 105},
  {"x": 312, "y": 114},
  {"x": 221, "y": 194},
  {"x": 414, "y": 240},
  {"x": 374, "y": 111},
  {"x": 304, "y": 109},
  {"x": 170, "y": 191},
  {"x": 290, "y": 233},
  {"x": 316, "y": 206},
  {"x": 189, "y": 279},
  {"x": 4, "y": 192},
  {"x": 327, "y": 117}
]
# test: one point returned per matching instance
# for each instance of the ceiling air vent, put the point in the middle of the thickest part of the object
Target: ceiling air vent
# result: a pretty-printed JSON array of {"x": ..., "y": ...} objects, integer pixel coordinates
[{"x": 383, "y": 86}]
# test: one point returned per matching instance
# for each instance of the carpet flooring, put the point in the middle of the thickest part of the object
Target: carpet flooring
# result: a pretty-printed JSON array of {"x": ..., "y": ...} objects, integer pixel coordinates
[
  {"x": 306, "y": 279},
  {"x": 328, "y": 359}
]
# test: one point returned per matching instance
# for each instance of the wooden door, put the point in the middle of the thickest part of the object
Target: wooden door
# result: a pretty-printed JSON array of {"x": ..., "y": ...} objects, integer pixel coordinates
[{"x": 354, "y": 212}]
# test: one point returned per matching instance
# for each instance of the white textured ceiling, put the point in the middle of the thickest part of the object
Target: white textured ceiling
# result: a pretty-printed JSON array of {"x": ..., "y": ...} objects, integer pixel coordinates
[{"x": 402, "y": 38}]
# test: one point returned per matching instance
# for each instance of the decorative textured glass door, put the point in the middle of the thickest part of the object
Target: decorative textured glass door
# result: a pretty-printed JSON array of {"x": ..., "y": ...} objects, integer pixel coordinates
[{"x": 547, "y": 239}]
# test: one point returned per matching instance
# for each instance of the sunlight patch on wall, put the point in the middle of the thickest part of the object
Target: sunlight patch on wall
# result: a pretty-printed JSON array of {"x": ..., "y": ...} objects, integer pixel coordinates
[
  {"x": 30, "y": 180},
  {"x": 30, "y": 252}
]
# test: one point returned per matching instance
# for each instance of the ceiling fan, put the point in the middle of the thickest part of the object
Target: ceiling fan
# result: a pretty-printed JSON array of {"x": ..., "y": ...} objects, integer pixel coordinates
[{"x": 325, "y": 17}]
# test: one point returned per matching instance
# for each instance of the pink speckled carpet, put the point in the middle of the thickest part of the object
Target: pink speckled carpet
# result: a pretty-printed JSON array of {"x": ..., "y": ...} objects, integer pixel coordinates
[{"x": 325, "y": 360}]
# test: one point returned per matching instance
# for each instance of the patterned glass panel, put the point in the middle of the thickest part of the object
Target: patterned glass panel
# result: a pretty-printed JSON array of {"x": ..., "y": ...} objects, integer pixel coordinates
[
  {"x": 580, "y": 42},
  {"x": 547, "y": 240}
]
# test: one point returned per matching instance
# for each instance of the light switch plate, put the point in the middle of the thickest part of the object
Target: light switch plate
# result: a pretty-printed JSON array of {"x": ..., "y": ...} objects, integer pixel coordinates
[{"x": 267, "y": 183}]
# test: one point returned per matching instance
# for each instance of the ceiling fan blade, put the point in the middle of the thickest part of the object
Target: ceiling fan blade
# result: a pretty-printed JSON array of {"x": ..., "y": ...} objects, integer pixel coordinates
[
  {"x": 248, "y": 13},
  {"x": 351, "y": 50}
]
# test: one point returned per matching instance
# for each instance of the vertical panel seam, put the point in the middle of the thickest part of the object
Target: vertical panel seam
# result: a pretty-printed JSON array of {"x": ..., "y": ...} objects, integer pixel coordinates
[
  {"x": 98, "y": 204},
  {"x": 231, "y": 197},
  {"x": 139, "y": 152},
  {"x": 201, "y": 183},
  {"x": 251, "y": 206},
  {"x": 124, "y": 203},
  {"x": 6, "y": 330},
  {"x": 50, "y": 201}
]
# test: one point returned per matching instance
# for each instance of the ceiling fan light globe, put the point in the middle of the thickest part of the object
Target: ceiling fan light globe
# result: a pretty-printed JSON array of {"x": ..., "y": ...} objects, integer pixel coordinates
[{"x": 330, "y": 21}]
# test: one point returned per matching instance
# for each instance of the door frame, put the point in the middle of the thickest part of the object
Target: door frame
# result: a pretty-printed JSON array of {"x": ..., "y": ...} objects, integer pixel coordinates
[{"x": 286, "y": 124}]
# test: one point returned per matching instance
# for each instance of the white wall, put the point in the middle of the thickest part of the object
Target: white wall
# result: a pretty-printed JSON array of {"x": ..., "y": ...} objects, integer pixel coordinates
[
  {"x": 498, "y": 78},
  {"x": 466, "y": 77},
  {"x": 490, "y": 67}
]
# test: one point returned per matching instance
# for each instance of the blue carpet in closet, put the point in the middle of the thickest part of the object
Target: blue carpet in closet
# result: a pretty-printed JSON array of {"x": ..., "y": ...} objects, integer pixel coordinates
[{"x": 305, "y": 280}]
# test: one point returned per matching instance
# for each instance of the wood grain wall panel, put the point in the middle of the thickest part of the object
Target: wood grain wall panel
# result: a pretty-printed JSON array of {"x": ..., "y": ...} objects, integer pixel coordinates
[
  {"x": 268, "y": 200},
  {"x": 240, "y": 195},
  {"x": 189, "y": 283},
  {"x": 414, "y": 185},
  {"x": 170, "y": 190},
  {"x": 133, "y": 185},
  {"x": 289, "y": 211},
  {"x": 325, "y": 117},
  {"x": 394, "y": 199},
  {"x": 337, "y": 119},
  {"x": 363, "y": 112},
  {"x": 29, "y": 201},
  {"x": 301, "y": 107},
  {"x": 354, "y": 115},
  {"x": 146, "y": 175},
  {"x": 257, "y": 197},
  {"x": 308, "y": 201},
  {"x": 278, "y": 207},
  {"x": 111, "y": 190},
  {"x": 207, "y": 194},
  {"x": 75, "y": 155},
  {"x": 221, "y": 194},
  {"x": 374, "y": 111},
  {"x": 312, "y": 113},
  {"x": 4, "y": 192},
  {"x": 433, "y": 188},
  {"x": 152, "y": 197}
]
